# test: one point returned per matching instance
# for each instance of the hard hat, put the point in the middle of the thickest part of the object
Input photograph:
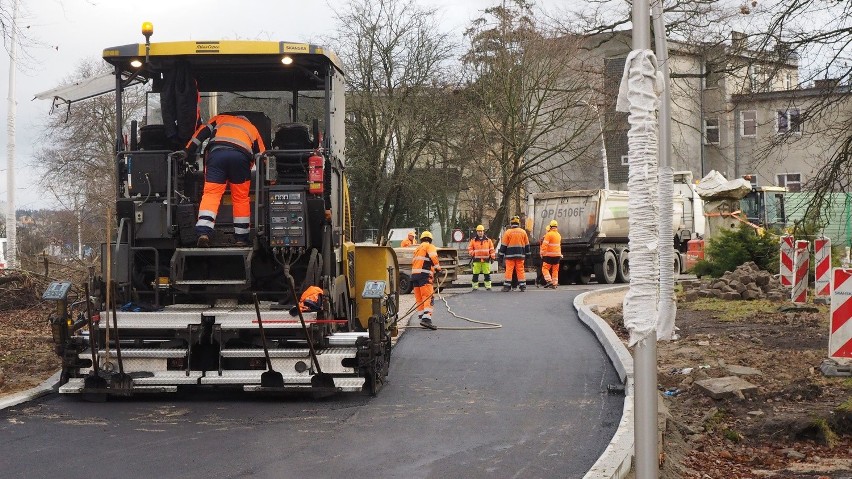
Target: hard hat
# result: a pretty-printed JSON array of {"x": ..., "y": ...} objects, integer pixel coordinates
[
  {"x": 480, "y": 228},
  {"x": 425, "y": 235},
  {"x": 412, "y": 233},
  {"x": 553, "y": 224},
  {"x": 516, "y": 220}
]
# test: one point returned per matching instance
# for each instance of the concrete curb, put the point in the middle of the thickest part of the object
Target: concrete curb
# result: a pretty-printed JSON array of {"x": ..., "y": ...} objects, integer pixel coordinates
[
  {"x": 617, "y": 458},
  {"x": 41, "y": 390}
]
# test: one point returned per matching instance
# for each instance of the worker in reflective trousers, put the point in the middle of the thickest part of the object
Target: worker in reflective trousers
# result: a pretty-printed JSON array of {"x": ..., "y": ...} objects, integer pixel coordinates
[
  {"x": 481, "y": 250},
  {"x": 409, "y": 241},
  {"x": 422, "y": 267},
  {"x": 551, "y": 253},
  {"x": 515, "y": 248},
  {"x": 230, "y": 154}
]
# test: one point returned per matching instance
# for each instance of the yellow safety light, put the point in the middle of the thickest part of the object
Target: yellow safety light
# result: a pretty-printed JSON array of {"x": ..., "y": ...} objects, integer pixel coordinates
[
  {"x": 147, "y": 29},
  {"x": 287, "y": 60}
]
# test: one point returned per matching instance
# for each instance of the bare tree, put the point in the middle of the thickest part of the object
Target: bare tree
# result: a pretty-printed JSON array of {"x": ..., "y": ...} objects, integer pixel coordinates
[
  {"x": 77, "y": 157},
  {"x": 395, "y": 58},
  {"x": 524, "y": 96}
]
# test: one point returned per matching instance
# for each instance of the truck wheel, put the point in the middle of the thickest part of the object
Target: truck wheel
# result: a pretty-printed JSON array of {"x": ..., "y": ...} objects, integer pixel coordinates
[
  {"x": 584, "y": 277},
  {"x": 405, "y": 283},
  {"x": 623, "y": 275},
  {"x": 606, "y": 272}
]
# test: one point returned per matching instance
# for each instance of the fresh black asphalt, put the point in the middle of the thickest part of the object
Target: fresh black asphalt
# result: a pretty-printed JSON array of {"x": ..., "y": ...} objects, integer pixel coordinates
[{"x": 528, "y": 400}]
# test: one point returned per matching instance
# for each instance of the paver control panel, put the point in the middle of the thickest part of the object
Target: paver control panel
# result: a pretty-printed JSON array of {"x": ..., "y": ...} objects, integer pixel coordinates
[{"x": 287, "y": 213}]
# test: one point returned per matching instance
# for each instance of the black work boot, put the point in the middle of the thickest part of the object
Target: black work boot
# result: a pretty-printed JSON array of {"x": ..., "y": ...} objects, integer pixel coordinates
[
  {"x": 427, "y": 323},
  {"x": 203, "y": 241},
  {"x": 506, "y": 288}
]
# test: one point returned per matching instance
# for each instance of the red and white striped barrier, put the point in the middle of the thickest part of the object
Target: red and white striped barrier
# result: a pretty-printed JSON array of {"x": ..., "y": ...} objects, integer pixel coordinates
[
  {"x": 801, "y": 266},
  {"x": 786, "y": 261},
  {"x": 840, "y": 328},
  {"x": 822, "y": 268}
]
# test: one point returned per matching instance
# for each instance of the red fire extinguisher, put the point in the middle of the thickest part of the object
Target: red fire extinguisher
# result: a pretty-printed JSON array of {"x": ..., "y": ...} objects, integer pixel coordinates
[{"x": 316, "y": 174}]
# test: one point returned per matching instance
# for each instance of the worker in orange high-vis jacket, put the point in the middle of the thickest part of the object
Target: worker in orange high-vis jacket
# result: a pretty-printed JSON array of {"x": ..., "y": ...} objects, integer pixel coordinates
[
  {"x": 233, "y": 142},
  {"x": 423, "y": 266},
  {"x": 515, "y": 248},
  {"x": 551, "y": 253},
  {"x": 481, "y": 251},
  {"x": 408, "y": 241}
]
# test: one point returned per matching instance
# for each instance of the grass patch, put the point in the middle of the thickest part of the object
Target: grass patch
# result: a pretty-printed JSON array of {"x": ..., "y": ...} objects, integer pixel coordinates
[
  {"x": 846, "y": 406},
  {"x": 847, "y": 383},
  {"x": 732, "y": 310},
  {"x": 824, "y": 432},
  {"x": 732, "y": 435}
]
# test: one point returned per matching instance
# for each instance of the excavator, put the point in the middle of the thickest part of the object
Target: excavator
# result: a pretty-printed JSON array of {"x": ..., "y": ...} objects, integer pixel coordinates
[{"x": 164, "y": 314}]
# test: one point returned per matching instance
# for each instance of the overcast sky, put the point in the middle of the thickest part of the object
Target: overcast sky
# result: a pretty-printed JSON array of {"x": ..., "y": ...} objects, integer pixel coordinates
[{"x": 71, "y": 30}]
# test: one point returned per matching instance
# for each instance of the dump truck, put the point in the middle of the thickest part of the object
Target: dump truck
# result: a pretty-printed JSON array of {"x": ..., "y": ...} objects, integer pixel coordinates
[
  {"x": 164, "y": 314},
  {"x": 594, "y": 229}
]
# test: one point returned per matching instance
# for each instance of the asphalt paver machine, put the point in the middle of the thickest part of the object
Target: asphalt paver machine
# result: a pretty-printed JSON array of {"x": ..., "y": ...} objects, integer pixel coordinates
[{"x": 164, "y": 313}]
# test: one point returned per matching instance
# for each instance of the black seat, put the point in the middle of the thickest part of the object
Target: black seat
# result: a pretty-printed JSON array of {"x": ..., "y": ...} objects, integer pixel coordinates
[{"x": 293, "y": 136}]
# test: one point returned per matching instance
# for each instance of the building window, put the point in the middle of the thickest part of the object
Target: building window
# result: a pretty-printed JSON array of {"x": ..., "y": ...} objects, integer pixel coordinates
[
  {"x": 789, "y": 121},
  {"x": 711, "y": 76},
  {"x": 793, "y": 182},
  {"x": 624, "y": 160},
  {"x": 711, "y": 131},
  {"x": 788, "y": 84},
  {"x": 752, "y": 79},
  {"x": 748, "y": 124}
]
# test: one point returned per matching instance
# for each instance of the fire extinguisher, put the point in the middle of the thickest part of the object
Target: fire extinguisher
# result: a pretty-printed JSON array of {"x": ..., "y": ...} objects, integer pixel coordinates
[{"x": 316, "y": 174}]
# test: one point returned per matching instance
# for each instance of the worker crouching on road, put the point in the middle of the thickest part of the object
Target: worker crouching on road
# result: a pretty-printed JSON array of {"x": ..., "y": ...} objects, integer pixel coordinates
[
  {"x": 422, "y": 267},
  {"x": 233, "y": 142},
  {"x": 551, "y": 253},
  {"x": 515, "y": 248},
  {"x": 481, "y": 250},
  {"x": 409, "y": 241}
]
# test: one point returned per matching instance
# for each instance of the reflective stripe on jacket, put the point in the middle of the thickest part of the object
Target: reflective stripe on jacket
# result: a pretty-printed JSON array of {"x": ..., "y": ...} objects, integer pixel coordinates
[
  {"x": 481, "y": 248},
  {"x": 551, "y": 245},
  {"x": 229, "y": 131},
  {"x": 425, "y": 259},
  {"x": 515, "y": 243}
]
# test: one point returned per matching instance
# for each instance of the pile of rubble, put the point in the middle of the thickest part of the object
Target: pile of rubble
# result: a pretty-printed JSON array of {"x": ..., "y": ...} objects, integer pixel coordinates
[
  {"x": 748, "y": 281},
  {"x": 20, "y": 289}
]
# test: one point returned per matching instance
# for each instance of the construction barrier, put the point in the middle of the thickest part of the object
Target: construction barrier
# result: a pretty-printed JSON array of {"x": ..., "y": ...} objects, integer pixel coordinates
[
  {"x": 786, "y": 262},
  {"x": 801, "y": 267},
  {"x": 822, "y": 268},
  {"x": 840, "y": 330}
]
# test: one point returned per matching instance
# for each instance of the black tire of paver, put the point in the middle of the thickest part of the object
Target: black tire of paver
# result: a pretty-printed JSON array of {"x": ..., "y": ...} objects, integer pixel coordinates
[{"x": 405, "y": 286}]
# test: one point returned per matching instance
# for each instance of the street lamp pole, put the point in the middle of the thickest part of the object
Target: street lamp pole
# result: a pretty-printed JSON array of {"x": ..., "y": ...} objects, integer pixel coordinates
[
  {"x": 604, "y": 163},
  {"x": 11, "y": 219}
]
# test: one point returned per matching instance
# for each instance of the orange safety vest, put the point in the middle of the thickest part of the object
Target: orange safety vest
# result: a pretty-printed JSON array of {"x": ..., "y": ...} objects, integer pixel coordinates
[
  {"x": 311, "y": 299},
  {"x": 406, "y": 243},
  {"x": 230, "y": 131},
  {"x": 425, "y": 259},
  {"x": 481, "y": 248},
  {"x": 551, "y": 244},
  {"x": 515, "y": 243}
]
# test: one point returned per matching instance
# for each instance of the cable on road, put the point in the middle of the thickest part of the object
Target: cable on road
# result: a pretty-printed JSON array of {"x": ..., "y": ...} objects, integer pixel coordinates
[{"x": 484, "y": 324}]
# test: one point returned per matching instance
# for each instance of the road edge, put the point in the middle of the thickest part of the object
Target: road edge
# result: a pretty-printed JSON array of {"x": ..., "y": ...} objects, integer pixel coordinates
[
  {"x": 42, "y": 389},
  {"x": 617, "y": 458}
]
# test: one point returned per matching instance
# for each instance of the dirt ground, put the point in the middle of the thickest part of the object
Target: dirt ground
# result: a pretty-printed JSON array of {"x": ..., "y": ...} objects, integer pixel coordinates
[{"x": 798, "y": 423}]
